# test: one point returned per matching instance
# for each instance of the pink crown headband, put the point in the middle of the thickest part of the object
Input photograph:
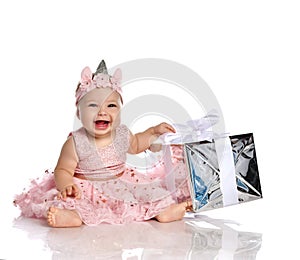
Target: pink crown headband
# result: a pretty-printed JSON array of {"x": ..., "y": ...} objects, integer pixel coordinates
[{"x": 100, "y": 79}]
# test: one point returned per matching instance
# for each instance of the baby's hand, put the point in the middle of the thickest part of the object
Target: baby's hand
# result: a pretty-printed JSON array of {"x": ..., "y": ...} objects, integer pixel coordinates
[
  {"x": 69, "y": 191},
  {"x": 159, "y": 130},
  {"x": 163, "y": 128}
]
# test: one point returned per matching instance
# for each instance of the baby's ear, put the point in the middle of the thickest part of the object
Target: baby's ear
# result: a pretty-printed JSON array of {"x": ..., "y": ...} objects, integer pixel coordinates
[{"x": 118, "y": 74}]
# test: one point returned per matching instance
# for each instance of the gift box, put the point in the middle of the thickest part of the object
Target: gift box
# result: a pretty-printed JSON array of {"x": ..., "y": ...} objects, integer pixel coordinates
[{"x": 222, "y": 171}]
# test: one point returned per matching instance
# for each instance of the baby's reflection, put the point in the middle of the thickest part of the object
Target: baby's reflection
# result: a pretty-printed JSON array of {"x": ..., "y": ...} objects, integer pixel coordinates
[
  {"x": 140, "y": 240},
  {"x": 186, "y": 239}
]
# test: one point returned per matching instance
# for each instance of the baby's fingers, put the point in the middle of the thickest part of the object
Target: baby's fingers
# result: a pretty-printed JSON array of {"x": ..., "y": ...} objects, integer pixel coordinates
[
  {"x": 62, "y": 195},
  {"x": 76, "y": 192},
  {"x": 171, "y": 128},
  {"x": 167, "y": 128},
  {"x": 69, "y": 190},
  {"x": 59, "y": 195}
]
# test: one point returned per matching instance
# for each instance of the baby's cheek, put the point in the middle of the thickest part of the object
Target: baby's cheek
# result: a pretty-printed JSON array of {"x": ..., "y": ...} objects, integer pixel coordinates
[{"x": 117, "y": 120}]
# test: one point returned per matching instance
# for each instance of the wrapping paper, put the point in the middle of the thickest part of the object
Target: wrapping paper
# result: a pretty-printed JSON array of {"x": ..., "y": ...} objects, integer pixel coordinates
[{"x": 222, "y": 176}]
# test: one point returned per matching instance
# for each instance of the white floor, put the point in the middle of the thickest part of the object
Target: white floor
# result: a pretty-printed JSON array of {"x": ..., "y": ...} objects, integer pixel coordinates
[{"x": 261, "y": 234}]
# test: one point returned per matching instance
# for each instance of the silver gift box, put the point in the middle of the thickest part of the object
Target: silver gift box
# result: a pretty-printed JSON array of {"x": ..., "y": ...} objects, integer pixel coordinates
[{"x": 203, "y": 168}]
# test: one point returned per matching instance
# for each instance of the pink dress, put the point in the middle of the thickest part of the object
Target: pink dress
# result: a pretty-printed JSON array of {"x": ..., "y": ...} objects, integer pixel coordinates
[{"x": 112, "y": 192}]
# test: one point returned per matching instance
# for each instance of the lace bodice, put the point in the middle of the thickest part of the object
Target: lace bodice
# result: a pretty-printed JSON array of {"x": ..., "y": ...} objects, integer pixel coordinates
[{"x": 104, "y": 162}]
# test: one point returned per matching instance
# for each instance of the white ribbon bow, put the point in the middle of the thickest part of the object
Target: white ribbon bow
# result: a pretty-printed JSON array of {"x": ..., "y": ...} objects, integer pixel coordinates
[{"x": 193, "y": 130}]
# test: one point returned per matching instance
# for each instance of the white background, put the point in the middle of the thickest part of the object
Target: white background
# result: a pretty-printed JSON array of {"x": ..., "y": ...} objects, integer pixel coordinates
[{"x": 247, "y": 51}]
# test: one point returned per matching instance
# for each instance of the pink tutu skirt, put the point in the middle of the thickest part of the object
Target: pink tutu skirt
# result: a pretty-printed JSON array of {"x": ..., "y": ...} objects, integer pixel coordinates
[{"x": 134, "y": 196}]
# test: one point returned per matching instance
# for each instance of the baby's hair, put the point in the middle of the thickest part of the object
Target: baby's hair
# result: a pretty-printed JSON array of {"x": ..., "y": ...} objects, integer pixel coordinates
[{"x": 77, "y": 88}]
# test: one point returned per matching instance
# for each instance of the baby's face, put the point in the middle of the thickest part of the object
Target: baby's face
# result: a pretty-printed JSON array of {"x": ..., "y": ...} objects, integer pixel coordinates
[{"x": 99, "y": 111}]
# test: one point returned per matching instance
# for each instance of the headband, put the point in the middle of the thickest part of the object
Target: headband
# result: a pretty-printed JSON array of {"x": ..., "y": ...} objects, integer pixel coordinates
[{"x": 99, "y": 79}]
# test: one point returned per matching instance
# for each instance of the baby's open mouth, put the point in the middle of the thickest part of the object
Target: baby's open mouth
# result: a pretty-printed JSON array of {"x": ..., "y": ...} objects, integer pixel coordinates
[{"x": 101, "y": 123}]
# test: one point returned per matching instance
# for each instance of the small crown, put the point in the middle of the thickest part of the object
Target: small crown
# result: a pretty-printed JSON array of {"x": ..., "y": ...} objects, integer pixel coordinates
[{"x": 101, "y": 68}]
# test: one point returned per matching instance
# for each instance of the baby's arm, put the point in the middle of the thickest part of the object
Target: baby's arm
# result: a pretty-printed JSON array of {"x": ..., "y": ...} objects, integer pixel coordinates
[
  {"x": 142, "y": 141},
  {"x": 64, "y": 171}
]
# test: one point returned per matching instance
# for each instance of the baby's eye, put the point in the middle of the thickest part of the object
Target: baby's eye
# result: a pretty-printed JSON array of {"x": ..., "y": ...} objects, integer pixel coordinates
[
  {"x": 112, "y": 105},
  {"x": 92, "y": 105}
]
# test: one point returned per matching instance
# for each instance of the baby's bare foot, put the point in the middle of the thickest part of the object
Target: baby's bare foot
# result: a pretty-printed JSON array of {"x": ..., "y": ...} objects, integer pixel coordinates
[
  {"x": 63, "y": 218},
  {"x": 174, "y": 212}
]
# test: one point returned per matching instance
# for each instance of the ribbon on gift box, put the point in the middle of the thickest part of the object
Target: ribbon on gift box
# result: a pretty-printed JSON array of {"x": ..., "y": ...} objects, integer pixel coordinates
[
  {"x": 198, "y": 130},
  {"x": 193, "y": 130}
]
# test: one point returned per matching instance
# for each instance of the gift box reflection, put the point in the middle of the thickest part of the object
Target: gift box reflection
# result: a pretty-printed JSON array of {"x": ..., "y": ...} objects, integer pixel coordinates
[
  {"x": 203, "y": 167},
  {"x": 222, "y": 243}
]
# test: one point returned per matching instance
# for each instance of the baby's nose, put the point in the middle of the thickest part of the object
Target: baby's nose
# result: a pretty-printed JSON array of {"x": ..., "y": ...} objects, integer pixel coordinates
[{"x": 102, "y": 112}]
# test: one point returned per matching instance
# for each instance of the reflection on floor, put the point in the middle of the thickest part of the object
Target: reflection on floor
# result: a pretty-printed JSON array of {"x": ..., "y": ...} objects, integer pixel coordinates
[{"x": 186, "y": 239}]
